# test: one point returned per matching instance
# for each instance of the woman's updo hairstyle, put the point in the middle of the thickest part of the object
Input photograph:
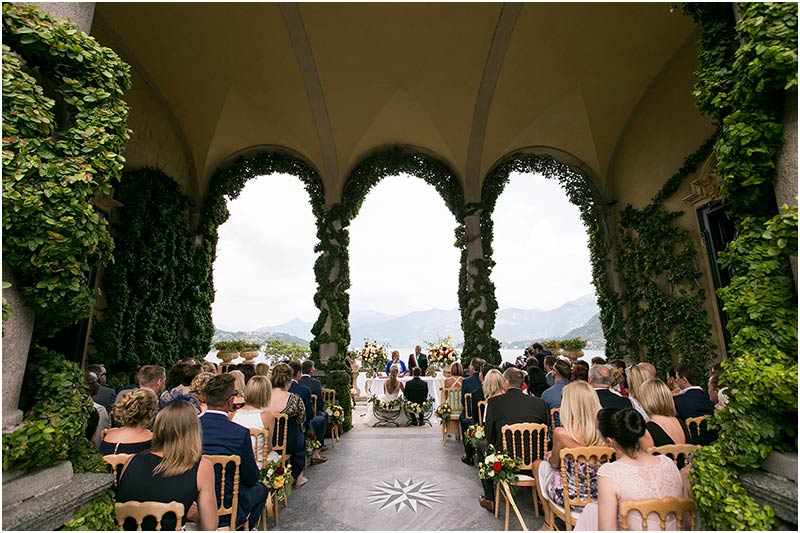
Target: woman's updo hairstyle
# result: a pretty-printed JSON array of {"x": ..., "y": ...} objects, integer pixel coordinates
[
  {"x": 281, "y": 376},
  {"x": 134, "y": 408},
  {"x": 626, "y": 426}
]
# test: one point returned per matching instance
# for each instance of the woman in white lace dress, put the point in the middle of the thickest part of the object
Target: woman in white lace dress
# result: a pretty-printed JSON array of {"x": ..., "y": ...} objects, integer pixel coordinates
[{"x": 635, "y": 475}]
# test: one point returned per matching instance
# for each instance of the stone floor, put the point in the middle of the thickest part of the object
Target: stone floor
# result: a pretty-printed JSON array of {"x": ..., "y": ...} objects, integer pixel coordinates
[{"x": 393, "y": 479}]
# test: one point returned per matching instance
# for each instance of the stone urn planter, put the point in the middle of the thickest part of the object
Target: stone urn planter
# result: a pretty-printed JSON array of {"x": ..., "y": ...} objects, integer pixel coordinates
[
  {"x": 249, "y": 355},
  {"x": 573, "y": 355},
  {"x": 226, "y": 356}
]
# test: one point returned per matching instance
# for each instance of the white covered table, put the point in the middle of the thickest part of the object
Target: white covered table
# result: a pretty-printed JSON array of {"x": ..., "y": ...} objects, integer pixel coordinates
[{"x": 378, "y": 387}]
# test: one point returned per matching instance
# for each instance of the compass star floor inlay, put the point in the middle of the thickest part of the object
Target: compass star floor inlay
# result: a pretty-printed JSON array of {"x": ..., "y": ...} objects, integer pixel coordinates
[{"x": 399, "y": 494}]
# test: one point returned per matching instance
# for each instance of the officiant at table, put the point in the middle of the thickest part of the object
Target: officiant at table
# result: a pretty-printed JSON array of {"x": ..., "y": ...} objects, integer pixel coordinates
[
  {"x": 418, "y": 360},
  {"x": 401, "y": 366}
]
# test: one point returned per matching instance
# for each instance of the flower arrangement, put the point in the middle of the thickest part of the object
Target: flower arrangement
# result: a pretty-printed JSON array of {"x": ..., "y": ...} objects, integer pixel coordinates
[
  {"x": 441, "y": 354},
  {"x": 383, "y": 405},
  {"x": 443, "y": 413},
  {"x": 498, "y": 466},
  {"x": 572, "y": 344},
  {"x": 550, "y": 345},
  {"x": 419, "y": 408},
  {"x": 250, "y": 346},
  {"x": 373, "y": 356},
  {"x": 474, "y": 434},
  {"x": 236, "y": 346},
  {"x": 311, "y": 441},
  {"x": 335, "y": 414},
  {"x": 276, "y": 478}
]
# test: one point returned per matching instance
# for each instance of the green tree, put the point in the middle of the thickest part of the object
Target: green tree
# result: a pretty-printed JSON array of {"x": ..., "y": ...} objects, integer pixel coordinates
[{"x": 277, "y": 350}]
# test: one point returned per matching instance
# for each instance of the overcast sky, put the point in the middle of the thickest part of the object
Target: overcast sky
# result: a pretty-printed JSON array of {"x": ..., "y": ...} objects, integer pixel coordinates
[{"x": 402, "y": 257}]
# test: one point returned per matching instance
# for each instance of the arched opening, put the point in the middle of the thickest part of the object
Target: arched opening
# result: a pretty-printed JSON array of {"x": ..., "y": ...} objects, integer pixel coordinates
[
  {"x": 264, "y": 269},
  {"x": 542, "y": 272}
]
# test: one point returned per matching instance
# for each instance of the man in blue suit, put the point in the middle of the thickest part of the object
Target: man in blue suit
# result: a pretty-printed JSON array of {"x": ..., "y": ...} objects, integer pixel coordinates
[
  {"x": 313, "y": 420},
  {"x": 223, "y": 437},
  {"x": 693, "y": 401},
  {"x": 315, "y": 386},
  {"x": 471, "y": 385}
]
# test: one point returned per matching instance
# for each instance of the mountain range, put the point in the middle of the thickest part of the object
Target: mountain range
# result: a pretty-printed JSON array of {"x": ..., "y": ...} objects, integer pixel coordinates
[{"x": 419, "y": 326}]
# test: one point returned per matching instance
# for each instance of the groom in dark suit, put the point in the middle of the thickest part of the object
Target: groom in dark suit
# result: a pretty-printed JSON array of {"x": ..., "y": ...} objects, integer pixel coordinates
[
  {"x": 416, "y": 391},
  {"x": 223, "y": 437},
  {"x": 418, "y": 360}
]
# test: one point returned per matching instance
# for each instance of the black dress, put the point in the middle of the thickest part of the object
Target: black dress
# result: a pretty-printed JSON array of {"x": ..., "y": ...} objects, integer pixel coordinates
[
  {"x": 661, "y": 438},
  {"x": 138, "y": 484},
  {"x": 113, "y": 448}
]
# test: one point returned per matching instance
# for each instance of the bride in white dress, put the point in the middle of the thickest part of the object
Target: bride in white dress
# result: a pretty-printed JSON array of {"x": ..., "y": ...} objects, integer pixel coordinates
[{"x": 393, "y": 389}]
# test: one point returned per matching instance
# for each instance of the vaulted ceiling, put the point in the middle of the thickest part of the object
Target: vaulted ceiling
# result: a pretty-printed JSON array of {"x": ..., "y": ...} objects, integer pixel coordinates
[{"x": 334, "y": 82}]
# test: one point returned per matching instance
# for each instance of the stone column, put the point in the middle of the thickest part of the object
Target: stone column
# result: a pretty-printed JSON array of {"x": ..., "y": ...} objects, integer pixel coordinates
[
  {"x": 786, "y": 186},
  {"x": 17, "y": 331},
  {"x": 81, "y": 13}
]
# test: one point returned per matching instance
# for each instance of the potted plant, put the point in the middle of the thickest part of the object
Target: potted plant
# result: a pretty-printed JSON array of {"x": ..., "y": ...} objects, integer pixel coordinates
[
  {"x": 227, "y": 351},
  {"x": 572, "y": 348},
  {"x": 250, "y": 351}
]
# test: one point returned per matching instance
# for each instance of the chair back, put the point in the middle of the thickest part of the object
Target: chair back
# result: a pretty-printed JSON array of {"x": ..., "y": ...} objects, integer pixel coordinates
[
  {"x": 467, "y": 404},
  {"x": 452, "y": 397},
  {"x": 695, "y": 426},
  {"x": 225, "y": 489},
  {"x": 580, "y": 465},
  {"x": 681, "y": 454},
  {"x": 482, "y": 411},
  {"x": 314, "y": 402},
  {"x": 138, "y": 511},
  {"x": 117, "y": 462},
  {"x": 525, "y": 442},
  {"x": 280, "y": 436},
  {"x": 555, "y": 418},
  {"x": 260, "y": 440},
  {"x": 328, "y": 396},
  {"x": 663, "y": 507}
]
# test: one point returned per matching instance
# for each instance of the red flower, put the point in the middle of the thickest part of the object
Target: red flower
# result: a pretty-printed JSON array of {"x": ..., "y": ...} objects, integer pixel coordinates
[
  {"x": 497, "y": 466},
  {"x": 279, "y": 470}
]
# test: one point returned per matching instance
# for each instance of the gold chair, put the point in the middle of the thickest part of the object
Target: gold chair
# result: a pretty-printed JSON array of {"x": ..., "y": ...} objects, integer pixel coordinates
[
  {"x": 555, "y": 422},
  {"x": 663, "y": 507},
  {"x": 329, "y": 398},
  {"x": 502, "y": 488},
  {"x": 452, "y": 397},
  {"x": 279, "y": 438},
  {"x": 676, "y": 452},
  {"x": 581, "y": 461},
  {"x": 482, "y": 404},
  {"x": 222, "y": 461},
  {"x": 141, "y": 510},
  {"x": 698, "y": 423},
  {"x": 117, "y": 462},
  {"x": 261, "y": 453},
  {"x": 467, "y": 404},
  {"x": 525, "y": 442}
]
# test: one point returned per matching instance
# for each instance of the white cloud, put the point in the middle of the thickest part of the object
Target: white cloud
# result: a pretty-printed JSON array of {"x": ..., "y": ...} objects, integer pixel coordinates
[{"x": 402, "y": 256}]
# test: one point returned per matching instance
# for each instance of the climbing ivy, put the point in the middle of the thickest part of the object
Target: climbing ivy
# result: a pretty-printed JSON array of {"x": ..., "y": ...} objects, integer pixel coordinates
[
  {"x": 582, "y": 194},
  {"x": 744, "y": 89},
  {"x": 59, "y": 153},
  {"x": 97, "y": 516},
  {"x": 151, "y": 311},
  {"x": 666, "y": 317}
]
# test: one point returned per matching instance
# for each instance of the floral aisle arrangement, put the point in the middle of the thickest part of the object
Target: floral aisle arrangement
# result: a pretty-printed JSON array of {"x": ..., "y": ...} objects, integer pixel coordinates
[
  {"x": 373, "y": 357},
  {"x": 383, "y": 405},
  {"x": 312, "y": 443},
  {"x": 474, "y": 434},
  {"x": 277, "y": 479},
  {"x": 443, "y": 413},
  {"x": 442, "y": 354},
  {"x": 418, "y": 408},
  {"x": 498, "y": 466},
  {"x": 335, "y": 414}
]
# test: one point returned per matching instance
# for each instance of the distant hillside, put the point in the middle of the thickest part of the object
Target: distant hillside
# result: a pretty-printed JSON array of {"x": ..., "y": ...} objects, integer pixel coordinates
[
  {"x": 255, "y": 336},
  {"x": 592, "y": 331}
]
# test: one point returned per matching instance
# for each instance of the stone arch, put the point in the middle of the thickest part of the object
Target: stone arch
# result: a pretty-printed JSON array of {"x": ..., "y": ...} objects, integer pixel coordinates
[{"x": 583, "y": 189}]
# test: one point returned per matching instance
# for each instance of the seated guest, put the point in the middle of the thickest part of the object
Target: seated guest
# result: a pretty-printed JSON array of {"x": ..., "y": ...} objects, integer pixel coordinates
[
  {"x": 471, "y": 385},
  {"x": 600, "y": 379},
  {"x": 579, "y": 408},
  {"x": 672, "y": 380},
  {"x": 98, "y": 419},
  {"x": 635, "y": 475},
  {"x": 282, "y": 401},
  {"x": 456, "y": 376},
  {"x": 210, "y": 367},
  {"x": 313, "y": 384},
  {"x": 549, "y": 361},
  {"x": 715, "y": 393},
  {"x": 493, "y": 384},
  {"x": 254, "y": 414},
  {"x": 416, "y": 391},
  {"x": 173, "y": 470},
  {"x": 395, "y": 361},
  {"x": 619, "y": 381},
  {"x": 693, "y": 401},
  {"x": 238, "y": 378},
  {"x": 512, "y": 407},
  {"x": 650, "y": 369},
  {"x": 537, "y": 383},
  {"x": 637, "y": 375},
  {"x": 198, "y": 388},
  {"x": 152, "y": 377},
  {"x": 597, "y": 360},
  {"x": 132, "y": 413},
  {"x": 106, "y": 396},
  {"x": 179, "y": 385},
  {"x": 223, "y": 437},
  {"x": 580, "y": 371},
  {"x": 315, "y": 422},
  {"x": 663, "y": 426},
  {"x": 247, "y": 370},
  {"x": 262, "y": 369},
  {"x": 561, "y": 373}
]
